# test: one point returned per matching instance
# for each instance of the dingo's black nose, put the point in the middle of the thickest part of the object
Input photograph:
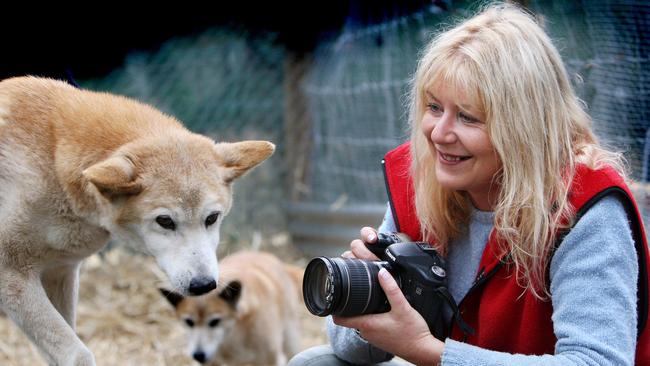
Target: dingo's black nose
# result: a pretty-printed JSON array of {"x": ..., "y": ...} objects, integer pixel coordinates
[
  {"x": 201, "y": 285},
  {"x": 199, "y": 356}
]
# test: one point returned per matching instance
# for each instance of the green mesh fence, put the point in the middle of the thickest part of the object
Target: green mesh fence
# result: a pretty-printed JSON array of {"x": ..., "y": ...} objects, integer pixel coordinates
[{"x": 605, "y": 46}]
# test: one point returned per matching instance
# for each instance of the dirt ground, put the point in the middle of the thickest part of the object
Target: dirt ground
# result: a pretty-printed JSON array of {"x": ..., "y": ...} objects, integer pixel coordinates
[{"x": 124, "y": 320}]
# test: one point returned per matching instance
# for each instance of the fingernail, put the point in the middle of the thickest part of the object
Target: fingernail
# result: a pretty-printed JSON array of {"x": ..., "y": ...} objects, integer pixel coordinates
[
  {"x": 371, "y": 236},
  {"x": 383, "y": 273}
]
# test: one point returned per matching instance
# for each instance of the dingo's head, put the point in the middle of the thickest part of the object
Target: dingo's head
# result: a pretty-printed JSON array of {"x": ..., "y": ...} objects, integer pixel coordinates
[
  {"x": 208, "y": 319},
  {"x": 168, "y": 194}
]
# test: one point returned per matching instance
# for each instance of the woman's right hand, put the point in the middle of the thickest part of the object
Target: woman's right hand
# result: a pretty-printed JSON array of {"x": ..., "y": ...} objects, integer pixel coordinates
[{"x": 358, "y": 246}]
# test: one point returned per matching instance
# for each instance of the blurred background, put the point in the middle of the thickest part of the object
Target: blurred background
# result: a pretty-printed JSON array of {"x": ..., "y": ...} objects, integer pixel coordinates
[{"x": 325, "y": 82}]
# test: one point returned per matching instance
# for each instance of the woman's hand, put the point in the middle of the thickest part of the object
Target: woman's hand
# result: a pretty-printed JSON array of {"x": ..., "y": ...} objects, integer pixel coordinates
[
  {"x": 358, "y": 246},
  {"x": 402, "y": 331}
]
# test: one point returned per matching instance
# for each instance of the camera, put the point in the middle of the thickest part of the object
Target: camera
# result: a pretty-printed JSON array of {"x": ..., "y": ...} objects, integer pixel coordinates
[{"x": 350, "y": 287}]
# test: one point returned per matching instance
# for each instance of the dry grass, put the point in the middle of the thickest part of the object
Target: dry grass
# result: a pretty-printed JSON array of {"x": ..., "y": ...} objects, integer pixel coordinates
[{"x": 124, "y": 320}]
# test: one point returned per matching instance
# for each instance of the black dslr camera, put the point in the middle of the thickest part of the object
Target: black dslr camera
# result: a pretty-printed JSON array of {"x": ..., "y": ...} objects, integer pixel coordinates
[{"x": 350, "y": 287}]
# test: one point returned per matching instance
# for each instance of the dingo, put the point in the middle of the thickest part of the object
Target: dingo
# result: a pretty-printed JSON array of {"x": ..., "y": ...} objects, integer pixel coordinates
[
  {"x": 252, "y": 318},
  {"x": 78, "y": 167}
]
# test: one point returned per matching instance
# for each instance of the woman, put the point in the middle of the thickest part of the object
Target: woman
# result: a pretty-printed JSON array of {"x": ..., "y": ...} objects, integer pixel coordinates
[{"x": 504, "y": 176}]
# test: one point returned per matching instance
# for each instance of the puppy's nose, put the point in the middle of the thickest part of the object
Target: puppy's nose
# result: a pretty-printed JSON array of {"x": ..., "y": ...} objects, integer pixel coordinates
[
  {"x": 201, "y": 285},
  {"x": 199, "y": 356}
]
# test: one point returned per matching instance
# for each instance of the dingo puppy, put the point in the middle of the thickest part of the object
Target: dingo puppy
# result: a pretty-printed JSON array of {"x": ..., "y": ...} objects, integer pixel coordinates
[
  {"x": 253, "y": 316},
  {"x": 78, "y": 167}
]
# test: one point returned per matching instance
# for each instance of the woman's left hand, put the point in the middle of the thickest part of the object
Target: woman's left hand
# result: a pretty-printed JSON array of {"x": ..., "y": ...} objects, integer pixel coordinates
[{"x": 402, "y": 331}]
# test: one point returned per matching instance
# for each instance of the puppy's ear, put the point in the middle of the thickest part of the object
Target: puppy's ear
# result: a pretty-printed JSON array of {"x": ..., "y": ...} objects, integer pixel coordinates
[
  {"x": 231, "y": 293},
  {"x": 239, "y": 157},
  {"x": 171, "y": 296},
  {"x": 114, "y": 176}
]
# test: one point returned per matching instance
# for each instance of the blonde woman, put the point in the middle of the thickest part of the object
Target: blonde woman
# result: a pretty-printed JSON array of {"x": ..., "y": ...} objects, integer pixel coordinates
[{"x": 546, "y": 252}]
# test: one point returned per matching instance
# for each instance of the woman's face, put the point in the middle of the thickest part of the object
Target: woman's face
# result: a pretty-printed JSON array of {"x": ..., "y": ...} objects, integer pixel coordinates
[{"x": 458, "y": 140}]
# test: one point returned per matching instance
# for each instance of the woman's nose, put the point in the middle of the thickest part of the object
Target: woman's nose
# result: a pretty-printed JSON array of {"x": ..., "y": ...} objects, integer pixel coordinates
[{"x": 443, "y": 130}]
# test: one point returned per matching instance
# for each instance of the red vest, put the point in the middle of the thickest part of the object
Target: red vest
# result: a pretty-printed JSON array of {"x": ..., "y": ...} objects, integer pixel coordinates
[{"x": 502, "y": 318}]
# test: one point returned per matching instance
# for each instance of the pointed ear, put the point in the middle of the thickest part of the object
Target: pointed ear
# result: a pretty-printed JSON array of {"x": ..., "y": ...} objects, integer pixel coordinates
[
  {"x": 239, "y": 157},
  {"x": 231, "y": 293},
  {"x": 114, "y": 176},
  {"x": 171, "y": 296}
]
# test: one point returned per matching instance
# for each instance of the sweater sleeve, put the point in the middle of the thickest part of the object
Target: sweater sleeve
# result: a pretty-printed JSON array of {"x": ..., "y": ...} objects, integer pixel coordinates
[
  {"x": 345, "y": 342},
  {"x": 593, "y": 276}
]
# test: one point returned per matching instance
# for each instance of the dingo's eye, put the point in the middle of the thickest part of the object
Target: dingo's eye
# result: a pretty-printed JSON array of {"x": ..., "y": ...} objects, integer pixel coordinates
[
  {"x": 214, "y": 322},
  {"x": 166, "y": 222},
  {"x": 211, "y": 219},
  {"x": 189, "y": 322}
]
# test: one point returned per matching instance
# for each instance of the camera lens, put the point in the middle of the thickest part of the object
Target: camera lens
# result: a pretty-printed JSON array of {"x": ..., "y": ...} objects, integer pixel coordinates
[
  {"x": 342, "y": 286},
  {"x": 318, "y": 288}
]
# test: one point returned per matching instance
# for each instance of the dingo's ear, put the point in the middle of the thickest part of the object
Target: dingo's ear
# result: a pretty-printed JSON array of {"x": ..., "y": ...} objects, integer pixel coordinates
[
  {"x": 231, "y": 293},
  {"x": 171, "y": 296},
  {"x": 114, "y": 176},
  {"x": 239, "y": 157}
]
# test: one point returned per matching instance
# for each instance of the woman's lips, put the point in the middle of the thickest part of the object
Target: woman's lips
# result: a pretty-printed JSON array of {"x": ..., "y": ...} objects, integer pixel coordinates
[{"x": 451, "y": 159}]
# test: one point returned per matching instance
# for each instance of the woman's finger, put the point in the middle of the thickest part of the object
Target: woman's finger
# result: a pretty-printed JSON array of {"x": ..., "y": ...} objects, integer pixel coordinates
[
  {"x": 393, "y": 293},
  {"x": 368, "y": 234},
  {"x": 360, "y": 250}
]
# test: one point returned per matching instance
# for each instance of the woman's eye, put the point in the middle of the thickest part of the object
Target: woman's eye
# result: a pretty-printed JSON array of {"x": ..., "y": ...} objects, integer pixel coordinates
[
  {"x": 467, "y": 118},
  {"x": 211, "y": 219},
  {"x": 166, "y": 222},
  {"x": 189, "y": 322},
  {"x": 434, "y": 108}
]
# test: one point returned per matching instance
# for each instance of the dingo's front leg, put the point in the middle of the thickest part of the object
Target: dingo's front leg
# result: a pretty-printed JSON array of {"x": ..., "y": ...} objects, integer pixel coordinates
[
  {"x": 61, "y": 284},
  {"x": 24, "y": 300}
]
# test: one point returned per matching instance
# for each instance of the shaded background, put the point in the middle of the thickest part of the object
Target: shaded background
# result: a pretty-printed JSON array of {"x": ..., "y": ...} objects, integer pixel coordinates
[
  {"x": 92, "y": 42},
  {"x": 325, "y": 82}
]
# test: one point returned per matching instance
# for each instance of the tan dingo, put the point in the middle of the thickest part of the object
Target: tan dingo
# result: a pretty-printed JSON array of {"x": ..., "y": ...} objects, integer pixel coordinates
[
  {"x": 252, "y": 318},
  {"x": 77, "y": 168}
]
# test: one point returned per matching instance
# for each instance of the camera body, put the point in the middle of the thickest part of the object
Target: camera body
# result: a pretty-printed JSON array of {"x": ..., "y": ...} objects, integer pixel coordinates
[{"x": 350, "y": 287}]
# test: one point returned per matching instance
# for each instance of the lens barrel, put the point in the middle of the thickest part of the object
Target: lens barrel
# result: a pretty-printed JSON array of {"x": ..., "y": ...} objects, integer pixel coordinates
[{"x": 343, "y": 286}]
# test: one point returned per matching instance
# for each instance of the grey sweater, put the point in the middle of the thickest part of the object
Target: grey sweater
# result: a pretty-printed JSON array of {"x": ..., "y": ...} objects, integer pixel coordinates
[{"x": 593, "y": 288}]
